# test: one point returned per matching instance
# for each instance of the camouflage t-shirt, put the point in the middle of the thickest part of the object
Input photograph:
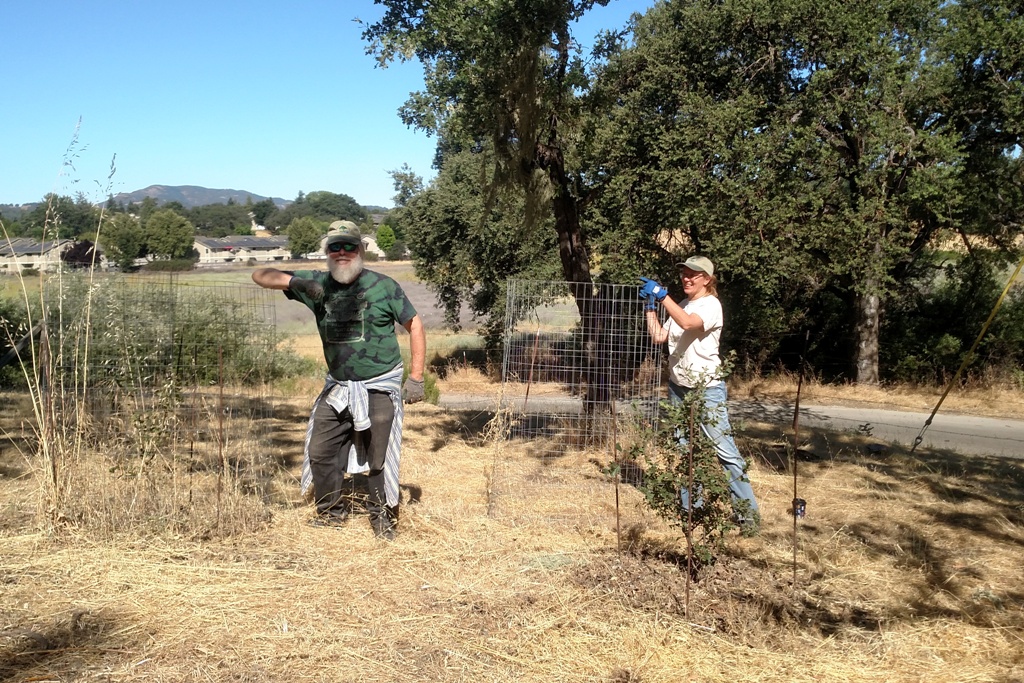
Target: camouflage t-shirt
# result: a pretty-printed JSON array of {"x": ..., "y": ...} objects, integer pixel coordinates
[{"x": 357, "y": 322}]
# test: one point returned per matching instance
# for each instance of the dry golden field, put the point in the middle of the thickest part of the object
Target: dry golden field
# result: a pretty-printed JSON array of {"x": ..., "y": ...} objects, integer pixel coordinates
[
  {"x": 507, "y": 567},
  {"x": 906, "y": 569}
]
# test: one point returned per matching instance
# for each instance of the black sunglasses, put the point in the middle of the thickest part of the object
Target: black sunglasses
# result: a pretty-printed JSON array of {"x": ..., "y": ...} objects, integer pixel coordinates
[{"x": 335, "y": 247}]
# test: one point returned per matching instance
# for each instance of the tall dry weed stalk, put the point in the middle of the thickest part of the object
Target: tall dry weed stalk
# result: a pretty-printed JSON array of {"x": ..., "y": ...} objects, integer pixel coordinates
[
  {"x": 57, "y": 398},
  {"x": 115, "y": 445}
]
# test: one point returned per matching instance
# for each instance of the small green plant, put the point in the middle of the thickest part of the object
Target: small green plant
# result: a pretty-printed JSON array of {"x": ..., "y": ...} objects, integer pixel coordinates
[
  {"x": 431, "y": 392},
  {"x": 681, "y": 457}
]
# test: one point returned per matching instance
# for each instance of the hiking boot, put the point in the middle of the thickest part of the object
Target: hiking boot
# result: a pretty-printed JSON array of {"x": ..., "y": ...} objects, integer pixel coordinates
[
  {"x": 383, "y": 521},
  {"x": 333, "y": 520},
  {"x": 383, "y": 529}
]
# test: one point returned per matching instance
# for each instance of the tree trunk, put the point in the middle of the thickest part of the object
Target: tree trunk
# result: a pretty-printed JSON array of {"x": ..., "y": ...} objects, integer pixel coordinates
[
  {"x": 867, "y": 311},
  {"x": 575, "y": 258}
]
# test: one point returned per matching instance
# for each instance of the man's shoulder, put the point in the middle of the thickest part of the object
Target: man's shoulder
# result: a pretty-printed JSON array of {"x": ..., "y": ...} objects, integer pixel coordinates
[
  {"x": 310, "y": 274},
  {"x": 370, "y": 278}
]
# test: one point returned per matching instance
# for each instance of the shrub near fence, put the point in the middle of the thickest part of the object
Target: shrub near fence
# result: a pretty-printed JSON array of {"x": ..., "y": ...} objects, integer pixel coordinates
[{"x": 150, "y": 393}]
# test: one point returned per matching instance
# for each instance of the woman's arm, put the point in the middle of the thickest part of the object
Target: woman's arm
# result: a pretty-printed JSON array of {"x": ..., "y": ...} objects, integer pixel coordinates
[
  {"x": 687, "y": 321},
  {"x": 658, "y": 333}
]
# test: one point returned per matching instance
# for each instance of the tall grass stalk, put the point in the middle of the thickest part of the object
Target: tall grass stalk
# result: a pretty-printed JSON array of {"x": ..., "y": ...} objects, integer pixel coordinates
[{"x": 106, "y": 386}]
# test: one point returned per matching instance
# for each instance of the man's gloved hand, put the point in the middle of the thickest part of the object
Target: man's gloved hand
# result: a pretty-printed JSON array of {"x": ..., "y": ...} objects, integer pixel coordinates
[
  {"x": 651, "y": 288},
  {"x": 412, "y": 390},
  {"x": 310, "y": 288},
  {"x": 652, "y": 304}
]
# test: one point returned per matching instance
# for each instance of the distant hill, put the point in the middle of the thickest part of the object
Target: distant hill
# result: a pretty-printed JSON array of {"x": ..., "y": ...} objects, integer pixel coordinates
[{"x": 192, "y": 196}]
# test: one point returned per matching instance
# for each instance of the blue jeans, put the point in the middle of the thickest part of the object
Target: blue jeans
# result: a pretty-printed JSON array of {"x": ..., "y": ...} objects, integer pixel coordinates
[{"x": 718, "y": 430}]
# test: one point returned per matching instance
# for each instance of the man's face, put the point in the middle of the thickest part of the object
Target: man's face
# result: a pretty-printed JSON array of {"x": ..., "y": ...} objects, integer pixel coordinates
[{"x": 345, "y": 261}]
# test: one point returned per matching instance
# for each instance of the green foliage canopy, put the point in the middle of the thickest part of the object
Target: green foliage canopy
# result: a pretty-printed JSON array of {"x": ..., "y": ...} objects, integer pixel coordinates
[
  {"x": 506, "y": 74},
  {"x": 385, "y": 238},
  {"x": 123, "y": 239},
  {"x": 790, "y": 133},
  {"x": 304, "y": 235},
  {"x": 466, "y": 245},
  {"x": 169, "y": 235}
]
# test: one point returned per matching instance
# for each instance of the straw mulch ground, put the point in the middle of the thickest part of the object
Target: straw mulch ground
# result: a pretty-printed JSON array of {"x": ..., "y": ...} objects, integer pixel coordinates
[{"x": 907, "y": 569}]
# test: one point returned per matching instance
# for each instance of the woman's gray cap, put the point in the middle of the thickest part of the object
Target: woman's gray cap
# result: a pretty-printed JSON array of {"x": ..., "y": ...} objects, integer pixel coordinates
[{"x": 699, "y": 263}]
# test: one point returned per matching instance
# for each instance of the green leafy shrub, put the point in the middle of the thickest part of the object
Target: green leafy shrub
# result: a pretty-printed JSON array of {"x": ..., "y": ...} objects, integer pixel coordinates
[
  {"x": 927, "y": 333},
  {"x": 14, "y": 324},
  {"x": 398, "y": 252},
  {"x": 668, "y": 469},
  {"x": 130, "y": 333},
  {"x": 174, "y": 265}
]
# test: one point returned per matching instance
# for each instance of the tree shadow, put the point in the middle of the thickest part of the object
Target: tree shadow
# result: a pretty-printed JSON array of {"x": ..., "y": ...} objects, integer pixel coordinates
[{"x": 55, "y": 650}]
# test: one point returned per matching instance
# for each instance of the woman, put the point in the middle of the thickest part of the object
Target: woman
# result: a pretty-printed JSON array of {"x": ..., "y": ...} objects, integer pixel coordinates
[{"x": 693, "y": 331}]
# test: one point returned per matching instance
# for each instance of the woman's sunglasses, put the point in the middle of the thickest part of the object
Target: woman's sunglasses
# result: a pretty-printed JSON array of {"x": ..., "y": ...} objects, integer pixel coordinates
[{"x": 335, "y": 247}]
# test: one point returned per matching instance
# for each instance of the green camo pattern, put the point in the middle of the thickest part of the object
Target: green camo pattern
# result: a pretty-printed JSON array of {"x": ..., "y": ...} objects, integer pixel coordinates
[{"x": 357, "y": 322}]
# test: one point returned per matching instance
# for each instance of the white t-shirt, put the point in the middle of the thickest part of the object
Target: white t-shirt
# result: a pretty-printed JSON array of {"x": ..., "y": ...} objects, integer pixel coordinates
[{"x": 693, "y": 354}]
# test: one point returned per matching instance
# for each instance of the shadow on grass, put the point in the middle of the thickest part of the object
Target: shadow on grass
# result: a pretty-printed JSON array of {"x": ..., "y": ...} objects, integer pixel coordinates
[{"x": 64, "y": 650}]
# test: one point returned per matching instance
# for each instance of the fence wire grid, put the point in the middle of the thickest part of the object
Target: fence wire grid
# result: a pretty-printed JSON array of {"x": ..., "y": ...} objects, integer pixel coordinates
[
  {"x": 127, "y": 340},
  {"x": 580, "y": 377},
  {"x": 147, "y": 369}
]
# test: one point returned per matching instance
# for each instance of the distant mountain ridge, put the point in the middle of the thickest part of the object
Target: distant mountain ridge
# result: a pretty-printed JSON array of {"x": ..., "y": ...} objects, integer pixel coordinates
[{"x": 192, "y": 196}]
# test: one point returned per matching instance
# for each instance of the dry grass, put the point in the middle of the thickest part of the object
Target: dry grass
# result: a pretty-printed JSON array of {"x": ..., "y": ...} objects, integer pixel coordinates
[{"x": 907, "y": 569}]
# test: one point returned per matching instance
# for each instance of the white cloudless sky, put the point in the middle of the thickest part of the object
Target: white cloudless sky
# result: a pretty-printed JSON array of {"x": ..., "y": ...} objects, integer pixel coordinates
[{"x": 271, "y": 98}]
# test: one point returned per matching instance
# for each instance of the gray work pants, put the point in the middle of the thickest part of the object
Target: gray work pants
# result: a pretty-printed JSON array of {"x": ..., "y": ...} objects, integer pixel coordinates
[{"x": 331, "y": 436}]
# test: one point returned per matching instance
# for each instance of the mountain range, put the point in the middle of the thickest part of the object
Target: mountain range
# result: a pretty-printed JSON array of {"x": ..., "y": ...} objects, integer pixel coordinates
[{"x": 191, "y": 196}]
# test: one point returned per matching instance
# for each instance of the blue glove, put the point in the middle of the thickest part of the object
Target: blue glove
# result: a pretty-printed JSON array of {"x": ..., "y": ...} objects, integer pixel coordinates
[
  {"x": 651, "y": 288},
  {"x": 652, "y": 304}
]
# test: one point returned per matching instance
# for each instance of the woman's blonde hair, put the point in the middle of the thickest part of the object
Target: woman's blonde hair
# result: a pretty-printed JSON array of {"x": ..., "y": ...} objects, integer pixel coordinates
[{"x": 712, "y": 285}]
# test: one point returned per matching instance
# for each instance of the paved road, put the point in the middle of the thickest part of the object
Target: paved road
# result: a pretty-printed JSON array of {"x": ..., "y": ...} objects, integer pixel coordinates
[{"x": 961, "y": 433}]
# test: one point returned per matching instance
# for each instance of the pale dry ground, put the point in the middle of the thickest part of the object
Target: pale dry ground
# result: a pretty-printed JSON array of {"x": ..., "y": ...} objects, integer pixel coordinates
[
  {"x": 907, "y": 570},
  {"x": 975, "y": 399}
]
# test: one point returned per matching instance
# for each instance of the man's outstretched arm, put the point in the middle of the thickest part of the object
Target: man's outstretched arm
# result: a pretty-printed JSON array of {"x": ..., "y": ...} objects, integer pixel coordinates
[
  {"x": 271, "y": 278},
  {"x": 417, "y": 347}
]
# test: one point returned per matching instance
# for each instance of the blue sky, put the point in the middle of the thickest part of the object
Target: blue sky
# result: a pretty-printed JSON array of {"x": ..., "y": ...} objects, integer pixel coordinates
[{"x": 272, "y": 98}]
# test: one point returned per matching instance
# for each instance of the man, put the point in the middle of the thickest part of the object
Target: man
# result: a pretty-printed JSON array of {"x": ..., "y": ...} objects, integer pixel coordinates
[{"x": 356, "y": 422}]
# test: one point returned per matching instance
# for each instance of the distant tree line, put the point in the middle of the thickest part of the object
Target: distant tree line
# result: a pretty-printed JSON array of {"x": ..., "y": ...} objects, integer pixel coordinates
[{"x": 167, "y": 230}]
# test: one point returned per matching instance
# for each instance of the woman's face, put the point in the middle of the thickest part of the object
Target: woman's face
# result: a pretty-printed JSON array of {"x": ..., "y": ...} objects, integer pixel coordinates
[{"x": 694, "y": 283}]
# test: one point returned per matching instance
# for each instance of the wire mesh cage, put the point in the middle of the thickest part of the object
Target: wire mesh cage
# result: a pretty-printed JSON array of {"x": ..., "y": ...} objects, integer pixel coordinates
[
  {"x": 580, "y": 378},
  {"x": 158, "y": 381}
]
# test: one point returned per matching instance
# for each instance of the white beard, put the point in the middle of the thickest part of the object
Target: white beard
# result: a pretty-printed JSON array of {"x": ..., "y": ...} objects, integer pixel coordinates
[{"x": 346, "y": 274}]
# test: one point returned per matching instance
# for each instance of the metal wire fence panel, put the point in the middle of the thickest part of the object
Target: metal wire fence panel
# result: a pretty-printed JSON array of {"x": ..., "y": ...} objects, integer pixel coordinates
[
  {"x": 580, "y": 378},
  {"x": 161, "y": 377},
  {"x": 574, "y": 369}
]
